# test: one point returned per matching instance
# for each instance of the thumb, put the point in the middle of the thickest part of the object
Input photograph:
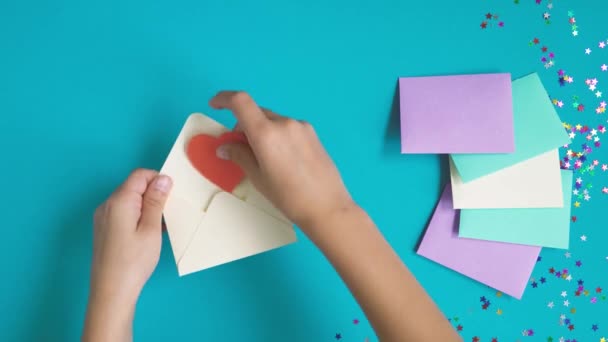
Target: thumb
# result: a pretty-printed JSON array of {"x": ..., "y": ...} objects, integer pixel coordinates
[{"x": 154, "y": 202}]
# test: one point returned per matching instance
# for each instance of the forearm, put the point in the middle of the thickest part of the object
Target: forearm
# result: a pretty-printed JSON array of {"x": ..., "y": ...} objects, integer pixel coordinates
[
  {"x": 395, "y": 304},
  {"x": 108, "y": 320}
]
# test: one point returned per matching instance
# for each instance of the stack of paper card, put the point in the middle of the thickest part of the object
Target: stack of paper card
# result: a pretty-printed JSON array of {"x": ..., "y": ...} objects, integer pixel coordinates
[{"x": 507, "y": 196}]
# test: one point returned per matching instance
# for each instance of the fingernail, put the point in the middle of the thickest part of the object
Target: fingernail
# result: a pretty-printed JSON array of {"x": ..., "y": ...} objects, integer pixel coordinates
[
  {"x": 163, "y": 183},
  {"x": 222, "y": 152}
]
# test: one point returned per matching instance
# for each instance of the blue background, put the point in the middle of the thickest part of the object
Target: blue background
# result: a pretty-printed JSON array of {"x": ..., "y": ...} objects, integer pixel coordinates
[{"x": 90, "y": 90}]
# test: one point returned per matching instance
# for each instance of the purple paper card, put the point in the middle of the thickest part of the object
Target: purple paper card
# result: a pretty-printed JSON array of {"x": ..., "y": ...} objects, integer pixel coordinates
[
  {"x": 503, "y": 266},
  {"x": 456, "y": 114}
]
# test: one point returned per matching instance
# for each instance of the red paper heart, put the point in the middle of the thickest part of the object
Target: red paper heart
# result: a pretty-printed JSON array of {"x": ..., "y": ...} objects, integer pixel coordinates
[{"x": 201, "y": 151}]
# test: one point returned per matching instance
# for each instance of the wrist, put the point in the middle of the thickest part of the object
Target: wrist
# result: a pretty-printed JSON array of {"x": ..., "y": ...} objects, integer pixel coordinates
[
  {"x": 109, "y": 318},
  {"x": 113, "y": 290},
  {"x": 322, "y": 223},
  {"x": 112, "y": 300}
]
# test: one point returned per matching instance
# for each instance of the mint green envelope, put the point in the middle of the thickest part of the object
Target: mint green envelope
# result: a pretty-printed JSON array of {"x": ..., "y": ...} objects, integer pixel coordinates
[
  {"x": 538, "y": 129},
  {"x": 547, "y": 227}
]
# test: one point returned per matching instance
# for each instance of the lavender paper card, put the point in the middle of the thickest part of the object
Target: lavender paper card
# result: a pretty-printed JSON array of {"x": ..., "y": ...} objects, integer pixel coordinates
[
  {"x": 456, "y": 114},
  {"x": 503, "y": 266}
]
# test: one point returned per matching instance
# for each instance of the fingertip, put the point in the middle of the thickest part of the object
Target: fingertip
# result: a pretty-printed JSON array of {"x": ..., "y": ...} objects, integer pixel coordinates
[
  {"x": 215, "y": 102},
  {"x": 137, "y": 182},
  {"x": 223, "y": 152},
  {"x": 214, "y": 105},
  {"x": 163, "y": 183}
]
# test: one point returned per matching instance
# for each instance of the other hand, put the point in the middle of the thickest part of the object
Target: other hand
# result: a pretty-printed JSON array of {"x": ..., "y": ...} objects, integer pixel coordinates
[
  {"x": 285, "y": 161},
  {"x": 128, "y": 236}
]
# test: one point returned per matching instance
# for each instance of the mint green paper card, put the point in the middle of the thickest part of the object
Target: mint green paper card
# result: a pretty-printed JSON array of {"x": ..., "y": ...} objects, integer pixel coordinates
[
  {"x": 547, "y": 227},
  {"x": 538, "y": 129}
]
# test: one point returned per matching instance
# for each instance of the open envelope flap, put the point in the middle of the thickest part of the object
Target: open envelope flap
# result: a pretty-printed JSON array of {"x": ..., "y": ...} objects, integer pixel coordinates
[{"x": 232, "y": 229}]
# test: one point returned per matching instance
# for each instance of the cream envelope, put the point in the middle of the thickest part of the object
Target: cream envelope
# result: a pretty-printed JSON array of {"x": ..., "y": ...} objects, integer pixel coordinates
[
  {"x": 208, "y": 226},
  {"x": 533, "y": 183}
]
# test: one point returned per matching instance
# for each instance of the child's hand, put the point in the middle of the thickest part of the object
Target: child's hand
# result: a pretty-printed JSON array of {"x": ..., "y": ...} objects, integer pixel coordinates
[
  {"x": 285, "y": 161},
  {"x": 128, "y": 236},
  {"x": 126, "y": 249}
]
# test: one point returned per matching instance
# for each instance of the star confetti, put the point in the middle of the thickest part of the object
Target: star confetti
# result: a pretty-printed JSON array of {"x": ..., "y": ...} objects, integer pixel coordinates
[
  {"x": 573, "y": 25},
  {"x": 565, "y": 289},
  {"x": 563, "y": 78},
  {"x": 592, "y": 85},
  {"x": 558, "y": 103},
  {"x": 579, "y": 160},
  {"x": 489, "y": 19},
  {"x": 485, "y": 303},
  {"x": 547, "y": 57}
]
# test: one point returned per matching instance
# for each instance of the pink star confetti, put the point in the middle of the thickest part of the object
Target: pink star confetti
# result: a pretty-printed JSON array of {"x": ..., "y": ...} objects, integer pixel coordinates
[
  {"x": 602, "y": 45},
  {"x": 572, "y": 21},
  {"x": 558, "y": 103},
  {"x": 604, "y": 67},
  {"x": 563, "y": 78}
]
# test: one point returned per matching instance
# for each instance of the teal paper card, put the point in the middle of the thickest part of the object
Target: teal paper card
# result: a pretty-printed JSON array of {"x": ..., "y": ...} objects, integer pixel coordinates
[{"x": 547, "y": 227}]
